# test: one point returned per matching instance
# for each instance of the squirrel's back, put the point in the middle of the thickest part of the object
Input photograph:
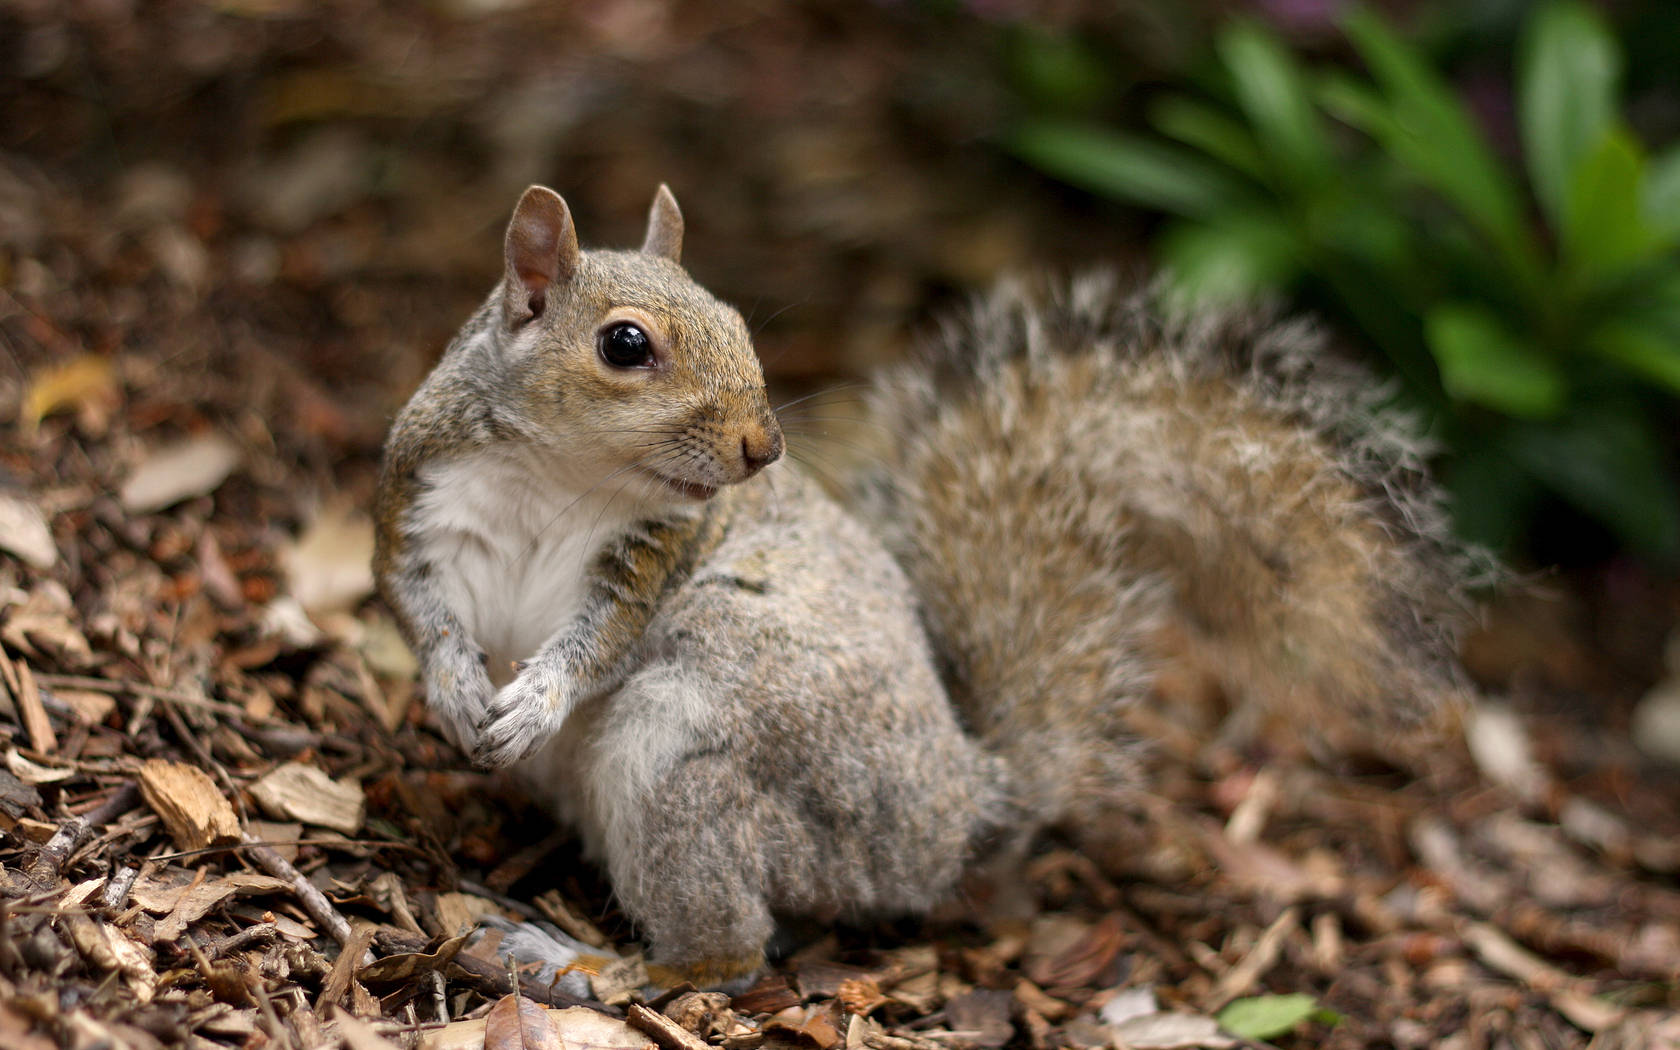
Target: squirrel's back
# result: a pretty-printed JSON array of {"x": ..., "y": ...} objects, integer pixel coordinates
[{"x": 1094, "y": 502}]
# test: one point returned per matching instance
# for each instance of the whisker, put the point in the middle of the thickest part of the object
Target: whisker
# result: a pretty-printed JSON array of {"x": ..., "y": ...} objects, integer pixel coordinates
[{"x": 827, "y": 390}]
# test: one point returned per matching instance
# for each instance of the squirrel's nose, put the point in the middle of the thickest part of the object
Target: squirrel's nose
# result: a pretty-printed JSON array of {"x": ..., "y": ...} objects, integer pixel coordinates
[{"x": 760, "y": 447}]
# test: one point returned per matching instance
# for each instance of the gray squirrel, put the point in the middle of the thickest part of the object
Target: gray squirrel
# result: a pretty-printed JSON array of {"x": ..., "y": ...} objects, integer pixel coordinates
[{"x": 751, "y": 701}]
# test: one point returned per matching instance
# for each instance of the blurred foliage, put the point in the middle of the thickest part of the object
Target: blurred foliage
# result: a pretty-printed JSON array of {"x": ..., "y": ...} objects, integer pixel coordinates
[{"x": 1535, "y": 321}]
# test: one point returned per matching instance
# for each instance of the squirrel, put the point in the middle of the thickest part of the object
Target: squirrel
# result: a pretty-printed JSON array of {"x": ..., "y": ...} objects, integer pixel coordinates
[{"x": 752, "y": 701}]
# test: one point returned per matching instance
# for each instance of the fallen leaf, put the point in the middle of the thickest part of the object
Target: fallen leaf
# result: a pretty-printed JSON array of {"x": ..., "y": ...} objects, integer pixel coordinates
[
  {"x": 1266, "y": 1016},
  {"x": 518, "y": 1023},
  {"x": 198, "y": 900},
  {"x": 409, "y": 965},
  {"x": 172, "y": 473},
  {"x": 108, "y": 949},
  {"x": 358, "y": 1034},
  {"x": 25, "y": 533}
]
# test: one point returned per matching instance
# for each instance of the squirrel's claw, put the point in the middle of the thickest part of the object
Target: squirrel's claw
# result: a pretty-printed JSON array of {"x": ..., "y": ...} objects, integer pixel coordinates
[
  {"x": 458, "y": 690},
  {"x": 523, "y": 716}
]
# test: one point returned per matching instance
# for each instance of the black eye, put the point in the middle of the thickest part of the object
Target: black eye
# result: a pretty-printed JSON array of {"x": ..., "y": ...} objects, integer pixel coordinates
[{"x": 624, "y": 345}]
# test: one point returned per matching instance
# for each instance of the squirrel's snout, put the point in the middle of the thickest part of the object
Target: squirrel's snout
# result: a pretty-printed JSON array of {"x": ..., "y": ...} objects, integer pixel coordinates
[{"x": 760, "y": 446}]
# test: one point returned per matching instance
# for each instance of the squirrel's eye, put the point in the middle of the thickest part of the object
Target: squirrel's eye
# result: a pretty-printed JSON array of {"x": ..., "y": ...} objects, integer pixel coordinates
[{"x": 624, "y": 345}]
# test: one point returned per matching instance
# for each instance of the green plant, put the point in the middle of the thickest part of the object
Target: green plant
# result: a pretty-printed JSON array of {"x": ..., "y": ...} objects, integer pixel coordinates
[{"x": 1536, "y": 323}]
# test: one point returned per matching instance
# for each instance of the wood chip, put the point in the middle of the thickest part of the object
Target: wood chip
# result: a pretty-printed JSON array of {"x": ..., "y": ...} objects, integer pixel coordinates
[
  {"x": 662, "y": 1030},
  {"x": 33, "y": 714},
  {"x": 298, "y": 791},
  {"x": 190, "y": 805}
]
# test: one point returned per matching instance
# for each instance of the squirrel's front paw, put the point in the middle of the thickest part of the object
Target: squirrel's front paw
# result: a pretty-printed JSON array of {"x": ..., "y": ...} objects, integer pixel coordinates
[
  {"x": 524, "y": 715},
  {"x": 458, "y": 691}
]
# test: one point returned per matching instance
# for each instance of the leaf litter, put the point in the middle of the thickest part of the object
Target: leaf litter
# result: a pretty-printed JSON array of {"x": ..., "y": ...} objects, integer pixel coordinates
[{"x": 225, "y": 821}]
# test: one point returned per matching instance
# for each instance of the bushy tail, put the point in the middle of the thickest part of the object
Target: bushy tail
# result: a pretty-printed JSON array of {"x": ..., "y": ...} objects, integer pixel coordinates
[{"x": 1099, "y": 504}]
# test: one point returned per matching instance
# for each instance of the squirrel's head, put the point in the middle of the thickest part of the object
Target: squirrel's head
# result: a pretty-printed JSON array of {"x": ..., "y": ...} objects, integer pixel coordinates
[{"x": 624, "y": 363}]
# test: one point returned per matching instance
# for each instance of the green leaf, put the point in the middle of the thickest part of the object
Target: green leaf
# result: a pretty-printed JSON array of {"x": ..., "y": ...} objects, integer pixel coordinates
[
  {"x": 1604, "y": 231},
  {"x": 1125, "y": 167},
  {"x": 1272, "y": 92},
  {"x": 1607, "y": 460},
  {"x": 1236, "y": 258},
  {"x": 1426, "y": 129},
  {"x": 1662, "y": 197},
  {"x": 1484, "y": 362},
  {"x": 1266, "y": 1016},
  {"x": 1567, "y": 73},
  {"x": 1204, "y": 128},
  {"x": 1645, "y": 350}
]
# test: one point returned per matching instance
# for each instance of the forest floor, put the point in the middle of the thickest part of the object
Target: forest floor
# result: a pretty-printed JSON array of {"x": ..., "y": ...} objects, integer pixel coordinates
[{"x": 228, "y": 251}]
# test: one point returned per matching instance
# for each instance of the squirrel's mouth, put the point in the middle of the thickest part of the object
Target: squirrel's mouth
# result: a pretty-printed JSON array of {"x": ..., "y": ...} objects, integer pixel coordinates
[{"x": 693, "y": 490}]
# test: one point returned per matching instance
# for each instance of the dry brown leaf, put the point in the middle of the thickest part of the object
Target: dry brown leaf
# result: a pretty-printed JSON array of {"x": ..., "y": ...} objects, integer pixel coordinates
[
  {"x": 25, "y": 533},
  {"x": 409, "y": 965},
  {"x": 358, "y": 1034},
  {"x": 818, "y": 1025},
  {"x": 298, "y": 791},
  {"x": 108, "y": 949},
  {"x": 518, "y": 1023},
  {"x": 197, "y": 900},
  {"x": 1076, "y": 962},
  {"x": 189, "y": 803},
  {"x": 172, "y": 473}
]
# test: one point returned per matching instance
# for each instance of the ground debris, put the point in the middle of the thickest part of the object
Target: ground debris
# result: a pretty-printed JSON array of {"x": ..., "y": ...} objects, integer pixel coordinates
[{"x": 199, "y": 354}]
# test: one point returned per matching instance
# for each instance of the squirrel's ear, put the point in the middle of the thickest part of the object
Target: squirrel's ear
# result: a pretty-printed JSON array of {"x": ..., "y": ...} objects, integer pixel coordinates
[
  {"x": 665, "y": 226},
  {"x": 541, "y": 248}
]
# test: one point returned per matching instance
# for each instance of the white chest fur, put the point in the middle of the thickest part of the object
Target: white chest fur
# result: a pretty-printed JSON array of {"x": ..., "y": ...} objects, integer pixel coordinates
[{"x": 512, "y": 546}]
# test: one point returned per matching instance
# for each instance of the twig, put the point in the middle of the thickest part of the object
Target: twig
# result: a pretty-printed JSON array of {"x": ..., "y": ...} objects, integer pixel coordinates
[
  {"x": 116, "y": 890},
  {"x": 106, "y": 685},
  {"x": 661, "y": 1029},
  {"x": 313, "y": 901},
  {"x": 45, "y": 869}
]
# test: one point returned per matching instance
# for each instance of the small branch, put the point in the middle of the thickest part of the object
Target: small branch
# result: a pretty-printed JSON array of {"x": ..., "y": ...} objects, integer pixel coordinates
[
  {"x": 661, "y": 1029},
  {"x": 49, "y": 863},
  {"x": 313, "y": 901}
]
